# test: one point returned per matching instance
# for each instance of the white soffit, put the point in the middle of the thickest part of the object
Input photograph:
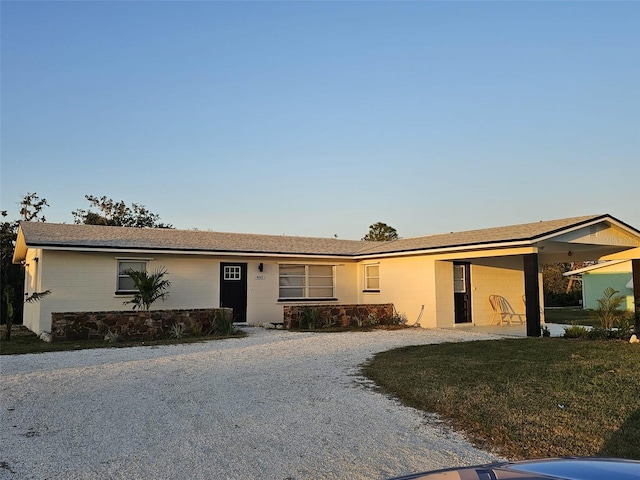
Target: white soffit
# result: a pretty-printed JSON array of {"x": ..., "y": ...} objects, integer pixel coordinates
[{"x": 600, "y": 233}]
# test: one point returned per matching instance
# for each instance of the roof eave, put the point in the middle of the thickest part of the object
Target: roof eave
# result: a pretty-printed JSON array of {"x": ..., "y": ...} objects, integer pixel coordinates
[
  {"x": 20, "y": 250},
  {"x": 448, "y": 249},
  {"x": 161, "y": 250}
]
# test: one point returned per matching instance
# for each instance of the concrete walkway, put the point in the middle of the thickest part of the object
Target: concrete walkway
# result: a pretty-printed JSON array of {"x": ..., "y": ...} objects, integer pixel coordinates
[{"x": 556, "y": 329}]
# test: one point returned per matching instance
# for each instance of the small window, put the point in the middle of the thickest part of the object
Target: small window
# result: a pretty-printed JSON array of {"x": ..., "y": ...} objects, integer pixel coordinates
[
  {"x": 459, "y": 280},
  {"x": 232, "y": 272},
  {"x": 125, "y": 283},
  {"x": 306, "y": 281},
  {"x": 372, "y": 277}
]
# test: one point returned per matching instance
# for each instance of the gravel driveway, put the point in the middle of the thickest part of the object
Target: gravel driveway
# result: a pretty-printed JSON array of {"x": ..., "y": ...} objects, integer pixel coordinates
[{"x": 274, "y": 405}]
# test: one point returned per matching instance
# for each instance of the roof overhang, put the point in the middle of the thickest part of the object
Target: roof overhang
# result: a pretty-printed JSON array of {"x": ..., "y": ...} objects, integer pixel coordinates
[
  {"x": 490, "y": 249},
  {"x": 591, "y": 239},
  {"x": 207, "y": 253}
]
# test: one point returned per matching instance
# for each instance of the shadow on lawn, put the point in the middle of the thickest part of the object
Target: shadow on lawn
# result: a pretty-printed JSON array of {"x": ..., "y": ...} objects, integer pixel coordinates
[{"x": 625, "y": 441}]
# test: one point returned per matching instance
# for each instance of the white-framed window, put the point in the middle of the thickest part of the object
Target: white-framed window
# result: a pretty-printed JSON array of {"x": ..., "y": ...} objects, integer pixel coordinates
[
  {"x": 372, "y": 277},
  {"x": 459, "y": 279},
  {"x": 306, "y": 281},
  {"x": 124, "y": 282},
  {"x": 232, "y": 272}
]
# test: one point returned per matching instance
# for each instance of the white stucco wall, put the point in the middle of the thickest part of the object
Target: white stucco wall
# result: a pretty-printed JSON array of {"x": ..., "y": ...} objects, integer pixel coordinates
[
  {"x": 33, "y": 283},
  {"x": 502, "y": 276},
  {"x": 82, "y": 281},
  {"x": 87, "y": 282},
  {"x": 262, "y": 287},
  {"x": 419, "y": 286},
  {"x": 444, "y": 294},
  {"x": 408, "y": 283},
  {"x": 422, "y": 286}
]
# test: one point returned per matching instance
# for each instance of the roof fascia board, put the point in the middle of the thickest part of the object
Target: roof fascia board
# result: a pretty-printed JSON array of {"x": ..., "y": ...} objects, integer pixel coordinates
[
  {"x": 356, "y": 257},
  {"x": 210, "y": 253},
  {"x": 624, "y": 226},
  {"x": 450, "y": 249}
]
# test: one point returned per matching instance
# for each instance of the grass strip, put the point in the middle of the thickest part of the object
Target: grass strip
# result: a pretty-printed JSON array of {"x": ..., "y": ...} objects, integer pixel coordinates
[{"x": 23, "y": 342}]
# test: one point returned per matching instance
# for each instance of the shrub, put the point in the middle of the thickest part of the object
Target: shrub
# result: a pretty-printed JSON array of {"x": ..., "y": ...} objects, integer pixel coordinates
[
  {"x": 196, "y": 329},
  {"x": 624, "y": 326},
  {"x": 576, "y": 331},
  {"x": 571, "y": 299},
  {"x": 398, "y": 319},
  {"x": 177, "y": 330},
  {"x": 310, "y": 318},
  {"x": 371, "y": 320},
  {"x": 223, "y": 323},
  {"x": 359, "y": 321},
  {"x": 328, "y": 320},
  {"x": 111, "y": 337},
  {"x": 598, "y": 333}
]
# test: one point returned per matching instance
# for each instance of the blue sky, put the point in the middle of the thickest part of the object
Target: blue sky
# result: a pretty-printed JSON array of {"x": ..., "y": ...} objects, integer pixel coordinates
[{"x": 321, "y": 118}]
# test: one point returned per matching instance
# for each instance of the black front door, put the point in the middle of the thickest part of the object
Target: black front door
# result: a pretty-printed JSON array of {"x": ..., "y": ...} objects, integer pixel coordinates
[
  {"x": 462, "y": 292},
  {"x": 233, "y": 289}
]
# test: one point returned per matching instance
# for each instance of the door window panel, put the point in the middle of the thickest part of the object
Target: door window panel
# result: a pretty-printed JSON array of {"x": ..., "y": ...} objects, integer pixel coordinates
[{"x": 459, "y": 279}]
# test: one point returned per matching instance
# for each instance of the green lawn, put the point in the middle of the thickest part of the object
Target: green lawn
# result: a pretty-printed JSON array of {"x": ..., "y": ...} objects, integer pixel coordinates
[
  {"x": 525, "y": 398},
  {"x": 570, "y": 315}
]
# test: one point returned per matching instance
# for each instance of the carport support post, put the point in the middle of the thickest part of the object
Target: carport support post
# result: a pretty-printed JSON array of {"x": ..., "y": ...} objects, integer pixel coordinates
[
  {"x": 532, "y": 294},
  {"x": 635, "y": 269}
]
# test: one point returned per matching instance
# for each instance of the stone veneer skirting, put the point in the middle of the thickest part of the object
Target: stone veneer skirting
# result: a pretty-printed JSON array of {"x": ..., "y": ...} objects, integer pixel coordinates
[
  {"x": 339, "y": 315},
  {"x": 128, "y": 324}
]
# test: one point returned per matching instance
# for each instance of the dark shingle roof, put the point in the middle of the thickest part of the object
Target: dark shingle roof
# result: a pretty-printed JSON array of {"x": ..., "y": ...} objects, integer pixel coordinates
[
  {"x": 121, "y": 238},
  {"x": 38, "y": 234},
  {"x": 512, "y": 233}
]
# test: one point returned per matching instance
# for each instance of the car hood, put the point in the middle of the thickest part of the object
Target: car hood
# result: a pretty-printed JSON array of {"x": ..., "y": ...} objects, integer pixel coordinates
[{"x": 567, "y": 468}]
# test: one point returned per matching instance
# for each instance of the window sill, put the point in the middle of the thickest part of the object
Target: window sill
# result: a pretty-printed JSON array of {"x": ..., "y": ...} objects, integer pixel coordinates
[
  {"x": 125, "y": 294},
  {"x": 306, "y": 299},
  {"x": 370, "y": 291}
]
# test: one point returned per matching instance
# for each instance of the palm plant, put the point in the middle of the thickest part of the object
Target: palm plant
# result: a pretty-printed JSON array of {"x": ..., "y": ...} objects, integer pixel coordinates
[
  {"x": 608, "y": 311},
  {"x": 151, "y": 287}
]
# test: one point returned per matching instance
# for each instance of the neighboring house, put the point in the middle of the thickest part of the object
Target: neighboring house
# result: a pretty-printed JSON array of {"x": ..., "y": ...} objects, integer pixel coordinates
[
  {"x": 616, "y": 274},
  {"x": 437, "y": 280}
]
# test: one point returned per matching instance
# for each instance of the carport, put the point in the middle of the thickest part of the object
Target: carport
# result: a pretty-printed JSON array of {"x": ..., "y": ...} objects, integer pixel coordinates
[{"x": 517, "y": 272}]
